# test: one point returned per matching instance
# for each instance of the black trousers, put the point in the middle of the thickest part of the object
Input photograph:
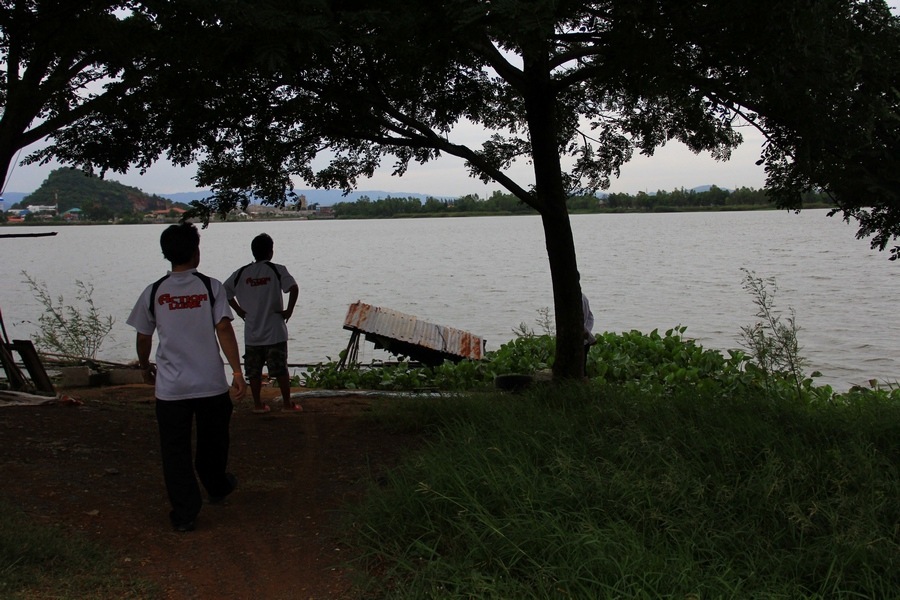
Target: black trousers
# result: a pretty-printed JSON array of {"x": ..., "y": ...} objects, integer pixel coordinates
[{"x": 176, "y": 419}]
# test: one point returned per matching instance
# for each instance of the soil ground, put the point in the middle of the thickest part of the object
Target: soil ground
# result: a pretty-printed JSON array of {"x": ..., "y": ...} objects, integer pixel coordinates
[{"x": 94, "y": 468}]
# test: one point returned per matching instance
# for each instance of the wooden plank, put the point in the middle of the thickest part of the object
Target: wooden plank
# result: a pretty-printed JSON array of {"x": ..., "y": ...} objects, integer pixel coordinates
[
  {"x": 35, "y": 367},
  {"x": 21, "y": 235},
  {"x": 10, "y": 398},
  {"x": 14, "y": 375}
]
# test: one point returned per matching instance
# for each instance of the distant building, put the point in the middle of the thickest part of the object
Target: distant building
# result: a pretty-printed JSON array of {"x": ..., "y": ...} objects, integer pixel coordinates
[
  {"x": 263, "y": 209},
  {"x": 165, "y": 212},
  {"x": 43, "y": 208},
  {"x": 73, "y": 214}
]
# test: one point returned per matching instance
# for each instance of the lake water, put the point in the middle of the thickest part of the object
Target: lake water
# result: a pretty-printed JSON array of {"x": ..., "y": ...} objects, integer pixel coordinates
[{"x": 489, "y": 275}]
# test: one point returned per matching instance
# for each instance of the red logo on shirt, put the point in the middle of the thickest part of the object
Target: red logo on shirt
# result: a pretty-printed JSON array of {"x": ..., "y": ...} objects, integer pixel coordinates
[
  {"x": 255, "y": 282},
  {"x": 182, "y": 302}
]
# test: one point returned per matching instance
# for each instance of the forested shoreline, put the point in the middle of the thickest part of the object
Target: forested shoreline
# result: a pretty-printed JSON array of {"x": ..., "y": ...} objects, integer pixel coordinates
[
  {"x": 499, "y": 203},
  {"x": 108, "y": 206}
]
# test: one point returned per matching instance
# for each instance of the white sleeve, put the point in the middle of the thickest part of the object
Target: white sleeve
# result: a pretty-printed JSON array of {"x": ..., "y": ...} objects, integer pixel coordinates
[
  {"x": 229, "y": 286},
  {"x": 287, "y": 280},
  {"x": 140, "y": 317},
  {"x": 221, "y": 308}
]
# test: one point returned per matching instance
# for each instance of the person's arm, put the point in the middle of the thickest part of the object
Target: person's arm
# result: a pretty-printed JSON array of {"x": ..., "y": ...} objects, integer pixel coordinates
[
  {"x": 144, "y": 344},
  {"x": 229, "y": 345},
  {"x": 238, "y": 309},
  {"x": 293, "y": 294}
]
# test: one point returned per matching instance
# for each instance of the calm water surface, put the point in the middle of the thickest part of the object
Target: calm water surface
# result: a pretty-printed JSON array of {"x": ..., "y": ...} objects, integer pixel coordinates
[{"x": 489, "y": 275}]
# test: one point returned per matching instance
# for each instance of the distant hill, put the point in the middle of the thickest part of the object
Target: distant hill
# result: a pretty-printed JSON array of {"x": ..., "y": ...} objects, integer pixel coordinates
[
  {"x": 72, "y": 188},
  {"x": 706, "y": 188},
  {"x": 322, "y": 197},
  {"x": 44, "y": 194},
  {"x": 73, "y": 182},
  {"x": 331, "y": 197}
]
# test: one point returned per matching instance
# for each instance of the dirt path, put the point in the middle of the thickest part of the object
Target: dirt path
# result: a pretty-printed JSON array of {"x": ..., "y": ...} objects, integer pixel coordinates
[{"x": 95, "y": 468}]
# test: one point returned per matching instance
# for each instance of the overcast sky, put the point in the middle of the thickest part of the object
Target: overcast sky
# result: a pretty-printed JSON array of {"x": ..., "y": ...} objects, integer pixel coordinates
[{"x": 671, "y": 167}]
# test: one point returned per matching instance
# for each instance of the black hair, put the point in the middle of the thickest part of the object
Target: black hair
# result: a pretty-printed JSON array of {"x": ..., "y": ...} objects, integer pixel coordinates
[
  {"x": 262, "y": 246},
  {"x": 179, "y": 243}
]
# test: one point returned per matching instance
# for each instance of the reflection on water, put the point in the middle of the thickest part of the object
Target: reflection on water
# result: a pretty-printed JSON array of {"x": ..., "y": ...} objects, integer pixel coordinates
[{"x": 489, "y": 275}]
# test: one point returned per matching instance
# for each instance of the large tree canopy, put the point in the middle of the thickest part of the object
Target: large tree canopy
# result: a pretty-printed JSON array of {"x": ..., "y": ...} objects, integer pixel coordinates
[
  {"x": 262, "y": 90},
  {"x": 61, "y": 61}
]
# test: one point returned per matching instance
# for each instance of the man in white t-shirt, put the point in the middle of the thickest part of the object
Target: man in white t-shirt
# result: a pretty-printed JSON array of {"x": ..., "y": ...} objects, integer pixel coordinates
[
  {"x": 255, "y": 292},
  {"x": 189, "y": 311}
]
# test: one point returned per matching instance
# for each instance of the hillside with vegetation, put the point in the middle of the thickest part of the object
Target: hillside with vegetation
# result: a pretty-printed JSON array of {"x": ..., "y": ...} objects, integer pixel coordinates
[{"x": 97, "y": 198}]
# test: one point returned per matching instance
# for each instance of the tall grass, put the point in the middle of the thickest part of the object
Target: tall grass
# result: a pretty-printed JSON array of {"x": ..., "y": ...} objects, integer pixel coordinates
[
  {"x": 641, "y": 491},
  {"x": 69, "y": 330}
]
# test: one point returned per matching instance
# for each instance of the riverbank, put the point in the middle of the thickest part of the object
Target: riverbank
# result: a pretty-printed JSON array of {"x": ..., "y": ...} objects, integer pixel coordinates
[
  {"x": 91, "y": 468},
  {"x": 581, "y": 490}
]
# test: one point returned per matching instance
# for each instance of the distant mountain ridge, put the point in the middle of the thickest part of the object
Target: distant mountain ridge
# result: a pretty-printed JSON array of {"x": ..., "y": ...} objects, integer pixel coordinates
[
  {"x": 331, "y": 197},
  {"x": 322, "y": 197},
  {"x": 313, "y": 196},
  {"x": 10, "y": 198}
]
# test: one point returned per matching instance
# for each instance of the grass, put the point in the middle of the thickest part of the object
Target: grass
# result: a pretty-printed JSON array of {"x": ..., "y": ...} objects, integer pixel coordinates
[
  {"x": 622, "y": 490},
  {"x": 38, "y": 562},
  {"x": 675, "y": 473},
  {"x": 628, "y": 491}
]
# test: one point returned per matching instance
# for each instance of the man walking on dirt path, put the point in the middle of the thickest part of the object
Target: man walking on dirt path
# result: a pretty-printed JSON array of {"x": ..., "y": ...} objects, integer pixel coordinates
[
  {"x": 190, "y": 312},
  {"x": 255, "y": 292}
]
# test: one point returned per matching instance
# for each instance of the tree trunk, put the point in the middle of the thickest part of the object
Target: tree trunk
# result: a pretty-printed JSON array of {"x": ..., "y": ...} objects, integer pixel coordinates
[
  {"x": 568, "y": 363},
  {"x": 550, "y": 189},
  {"x": 4, "y": 173},
  {"x": 7, "y": 157},
  {"x": 12, "y": 125}
]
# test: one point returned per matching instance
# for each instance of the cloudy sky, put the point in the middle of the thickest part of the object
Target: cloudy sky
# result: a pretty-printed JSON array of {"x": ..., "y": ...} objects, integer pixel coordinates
[{"x": 671, "y": 167}]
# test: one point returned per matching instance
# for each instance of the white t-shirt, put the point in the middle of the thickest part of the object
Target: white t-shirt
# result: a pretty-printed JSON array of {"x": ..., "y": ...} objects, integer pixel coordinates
[
  {"x": 188, "y": 360},
  {"x": 259, "y": 288}
]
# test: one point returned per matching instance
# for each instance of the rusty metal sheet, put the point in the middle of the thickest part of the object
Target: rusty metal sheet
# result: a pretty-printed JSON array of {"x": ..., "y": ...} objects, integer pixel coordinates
[{"x": 406, "y": 334}]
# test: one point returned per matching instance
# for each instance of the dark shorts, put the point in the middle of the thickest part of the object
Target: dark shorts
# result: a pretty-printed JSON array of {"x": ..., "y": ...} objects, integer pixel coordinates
[{"x": 273, "y": 356}]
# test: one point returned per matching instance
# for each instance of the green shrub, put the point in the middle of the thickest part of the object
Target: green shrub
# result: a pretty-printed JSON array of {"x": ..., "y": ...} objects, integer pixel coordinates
[
  {"x": 617, "y": 357},
  {"x": 68, "y": 330}
]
